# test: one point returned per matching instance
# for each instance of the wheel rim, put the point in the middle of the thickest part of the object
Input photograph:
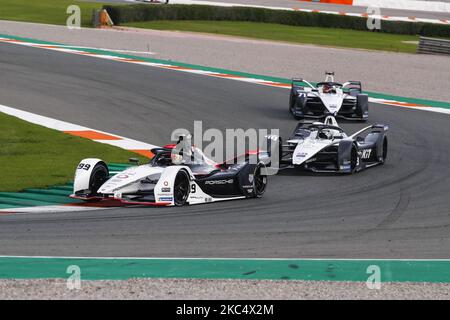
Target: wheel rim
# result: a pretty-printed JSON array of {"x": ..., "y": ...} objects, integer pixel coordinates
[{"x": 181, "y": 189}]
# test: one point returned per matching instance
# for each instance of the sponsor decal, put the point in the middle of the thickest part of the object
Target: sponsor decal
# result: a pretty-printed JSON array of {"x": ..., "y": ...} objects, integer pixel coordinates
[
  {"x": 122, "y": 176},
  {"x": 214, "y": 182},
  {"x": 365, "y": 154},
  {"x": 301, "y": 155},
  {"x": 166, "y": 183},
  {"x": 165, "y": 189},
  {"x": 166, "y": 199},
  {"x": 250, "y": 178}
]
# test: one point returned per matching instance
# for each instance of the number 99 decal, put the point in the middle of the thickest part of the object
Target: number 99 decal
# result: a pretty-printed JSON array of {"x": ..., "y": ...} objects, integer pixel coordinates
[{"x": 83, "y": 166}]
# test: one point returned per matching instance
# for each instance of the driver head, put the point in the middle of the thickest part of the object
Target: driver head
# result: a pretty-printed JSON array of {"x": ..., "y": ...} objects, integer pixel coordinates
[{"x": 326, "y": 88}]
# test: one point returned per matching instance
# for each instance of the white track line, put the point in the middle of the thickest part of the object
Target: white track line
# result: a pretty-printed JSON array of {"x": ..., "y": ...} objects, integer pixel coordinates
[
  {"x": 51, "y": 209},
  {"x": 225, "y": 259},
  {"x": 119, "y": 141}
]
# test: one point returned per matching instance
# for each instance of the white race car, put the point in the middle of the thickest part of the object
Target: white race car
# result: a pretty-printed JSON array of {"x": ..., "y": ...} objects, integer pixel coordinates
[
  {"x": 328, "y": 98},
  {"x": 324, "y": 147},
  {"x": 169, "y": 180}
]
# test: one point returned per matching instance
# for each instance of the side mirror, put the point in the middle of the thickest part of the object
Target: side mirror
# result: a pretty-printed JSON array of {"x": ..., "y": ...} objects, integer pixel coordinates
[{"x": 134, "y": 161}]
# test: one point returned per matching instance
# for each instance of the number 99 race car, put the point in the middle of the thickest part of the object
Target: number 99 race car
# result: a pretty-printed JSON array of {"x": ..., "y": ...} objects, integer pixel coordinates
[
  {"x": 324, "y": 147},
  {"x": 167, "y": 180},
  {"x": 328, "y": 98}
]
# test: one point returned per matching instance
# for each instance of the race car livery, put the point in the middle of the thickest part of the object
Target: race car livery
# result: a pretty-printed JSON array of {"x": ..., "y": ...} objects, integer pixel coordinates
[
  {"x": 328, "y": 98},
  {"x": 169, "y": 181},
  {"x": 324, "y": 147}
]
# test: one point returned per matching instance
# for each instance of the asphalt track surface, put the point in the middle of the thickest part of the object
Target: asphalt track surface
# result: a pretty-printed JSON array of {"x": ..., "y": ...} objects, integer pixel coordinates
[
  {"x": 323, "y": 7},
  {"x": 399, "y": 210}
]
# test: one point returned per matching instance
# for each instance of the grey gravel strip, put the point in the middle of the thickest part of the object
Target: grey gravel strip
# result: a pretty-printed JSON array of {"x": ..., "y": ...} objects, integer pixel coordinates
[
  {"x": 218, "y": 289},
  {"x": 410, "y": 75}
]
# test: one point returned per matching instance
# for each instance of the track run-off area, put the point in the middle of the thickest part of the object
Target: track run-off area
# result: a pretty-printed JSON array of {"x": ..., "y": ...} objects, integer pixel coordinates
[{"x": 396, "y": 211}]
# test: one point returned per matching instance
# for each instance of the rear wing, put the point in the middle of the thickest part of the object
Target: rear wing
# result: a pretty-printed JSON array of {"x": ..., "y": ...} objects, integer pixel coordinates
[
  {"x": 297, "y": 80},
  {"x": 383, "y": 127},
  {"x": 352, "y": 86},
  {"x": 378, "y": 127},
  {"x": 300, "y": 82}
]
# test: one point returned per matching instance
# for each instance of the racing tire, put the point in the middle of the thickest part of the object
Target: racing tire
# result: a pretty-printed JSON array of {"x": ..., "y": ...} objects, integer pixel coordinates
[
  {"x": 99, "y": 175},
  {"x": 385, "y": 150},
  {"x": 292, "y": 99},
  {"x": 259, "y": 180},
  {"x": 353, "y": 160},
  {"x": 362, "y": 106},
  {"x": 181, "y": 188},
  {"x": 278, "y": 149},
  {"x": 298, "y": 102},
  {"x": 292, "y": 102}
]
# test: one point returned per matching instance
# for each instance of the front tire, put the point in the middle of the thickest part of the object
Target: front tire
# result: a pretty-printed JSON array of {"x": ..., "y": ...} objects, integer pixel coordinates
[
  {"x": 99, "y": 176},
  {"x": 292, "y": 99},
  {"x": 354, "y": 160},
  {"x": 181, "y": 188}
]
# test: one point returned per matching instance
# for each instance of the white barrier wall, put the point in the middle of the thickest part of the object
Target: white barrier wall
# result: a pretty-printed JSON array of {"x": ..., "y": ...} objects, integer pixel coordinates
[
  {"x": 435, "y": 6},
  {"x": 348, "y": 2}
]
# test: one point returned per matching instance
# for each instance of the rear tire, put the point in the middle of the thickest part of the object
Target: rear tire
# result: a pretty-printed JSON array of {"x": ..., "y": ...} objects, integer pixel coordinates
[
  {"x": 278, "y": 149},
  {"x": 181, "y": 188},
  {"x": 385, "y": 150},
  {"x": 259, "y": 180},
  {"x": 99, "y": 176},
  {"x": 362, "y": 106}
]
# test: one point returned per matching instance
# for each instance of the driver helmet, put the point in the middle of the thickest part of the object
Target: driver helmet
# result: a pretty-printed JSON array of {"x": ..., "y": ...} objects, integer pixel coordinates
[
  {"x": 176, "y": 158},
  {"x": 327, "y": 88},
  {"x": 325, "y": 134}
]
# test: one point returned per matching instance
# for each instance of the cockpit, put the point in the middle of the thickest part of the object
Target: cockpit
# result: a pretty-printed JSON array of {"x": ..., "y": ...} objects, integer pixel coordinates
[
  {"x": 191, "y": 156},
  {"x": 319, "y": 131},
  {"x": 329, "y": 87}
]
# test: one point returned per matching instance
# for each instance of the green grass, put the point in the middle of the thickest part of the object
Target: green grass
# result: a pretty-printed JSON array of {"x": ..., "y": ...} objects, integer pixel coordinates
[
  {"x": 32, "y": 156},
  {"x": 295, "y": 34},
  {"x": 45, "y": 11}
]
